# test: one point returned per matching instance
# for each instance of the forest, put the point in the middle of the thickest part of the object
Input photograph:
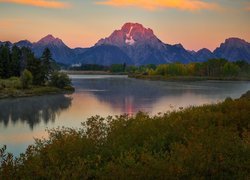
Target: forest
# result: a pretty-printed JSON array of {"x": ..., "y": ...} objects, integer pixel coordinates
[
  {"x": 21, "y": 73},
  {"x": 114, "y": 68},
  {"x": 211, "y": 69},
  {"x": 206, "y": 142}
]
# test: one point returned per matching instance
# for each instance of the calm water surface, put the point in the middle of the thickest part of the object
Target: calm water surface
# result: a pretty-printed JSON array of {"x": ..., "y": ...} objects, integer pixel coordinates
[{"x": 23, "y": 119}]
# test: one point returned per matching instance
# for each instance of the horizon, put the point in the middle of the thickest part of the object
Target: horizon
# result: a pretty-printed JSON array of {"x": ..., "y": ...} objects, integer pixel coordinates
[
  {"x": 55, "y": 37},
  {"x": 195, "y": 24}
]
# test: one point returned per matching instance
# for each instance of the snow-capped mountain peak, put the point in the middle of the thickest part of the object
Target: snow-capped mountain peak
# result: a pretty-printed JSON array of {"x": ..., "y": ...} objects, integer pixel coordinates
[
  {"x": 129, "y": 38},
  {"x": 130, "y": 34}
]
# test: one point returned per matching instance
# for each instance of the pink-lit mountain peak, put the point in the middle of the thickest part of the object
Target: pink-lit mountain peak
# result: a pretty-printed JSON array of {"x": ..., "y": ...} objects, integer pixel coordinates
[
  {"x": 50, "y": 39},
  {"x": 136, "y": 28},
  {"x": 129, "y": 35}
]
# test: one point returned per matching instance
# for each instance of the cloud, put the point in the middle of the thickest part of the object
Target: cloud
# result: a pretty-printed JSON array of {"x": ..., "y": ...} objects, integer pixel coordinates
[
  {"x": 39, "y": 3},
  {"x": 247, "y": 8},
  {"x": 190, "y": 5}
]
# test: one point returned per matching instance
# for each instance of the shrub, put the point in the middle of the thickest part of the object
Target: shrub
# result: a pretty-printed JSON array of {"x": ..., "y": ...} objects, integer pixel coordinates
[
  {"x": 26, "y": 79},
  {"x": 69, "y": 88},
  {"x": 60, "y": 80},
  {"x": 13, "y": 82},
  {"x": 206, "y": 142},
  {"x": 246, "y": 95}
]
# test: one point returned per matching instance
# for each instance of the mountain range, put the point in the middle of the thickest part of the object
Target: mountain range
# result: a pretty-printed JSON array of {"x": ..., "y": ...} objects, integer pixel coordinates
[{"x": 134, "y": 44}]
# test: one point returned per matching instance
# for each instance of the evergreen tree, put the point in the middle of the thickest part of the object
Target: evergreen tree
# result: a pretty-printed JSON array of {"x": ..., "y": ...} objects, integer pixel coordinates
[
  {"x": 1, "y": 62},
  {"x": 47, "y": 60},
  {"x": 35, "y": 67},
  {"x": 5, "y": 61},
  {"x": 15, "y": 67},
  {"x": 25, "y": 55},
  {"x": 14, "y": 62}
]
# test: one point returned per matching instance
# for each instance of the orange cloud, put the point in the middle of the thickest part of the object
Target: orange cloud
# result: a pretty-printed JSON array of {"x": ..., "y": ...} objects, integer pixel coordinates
[
  {"x": 191, "y": 5},
  {"x": 39, "y": 3},
  {"x": 247, "y": 8}
]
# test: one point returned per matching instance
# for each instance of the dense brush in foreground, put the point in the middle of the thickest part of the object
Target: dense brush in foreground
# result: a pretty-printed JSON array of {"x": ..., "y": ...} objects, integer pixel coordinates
[{"x": 207, "y": 142}]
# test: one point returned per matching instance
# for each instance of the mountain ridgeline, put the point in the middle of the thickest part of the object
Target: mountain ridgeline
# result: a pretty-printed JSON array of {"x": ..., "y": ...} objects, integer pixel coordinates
[{"x": 134, "y": 44}]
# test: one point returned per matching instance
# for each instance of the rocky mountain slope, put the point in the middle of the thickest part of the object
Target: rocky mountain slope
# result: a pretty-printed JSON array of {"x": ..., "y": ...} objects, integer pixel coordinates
[
  {"x": 143, "y": 47},
  {"x": 234, "y": 49},
  {"x": 137, "y": 45}
]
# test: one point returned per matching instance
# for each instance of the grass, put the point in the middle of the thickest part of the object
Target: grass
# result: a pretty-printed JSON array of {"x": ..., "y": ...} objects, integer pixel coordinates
[{"x": 11, "y": 88}]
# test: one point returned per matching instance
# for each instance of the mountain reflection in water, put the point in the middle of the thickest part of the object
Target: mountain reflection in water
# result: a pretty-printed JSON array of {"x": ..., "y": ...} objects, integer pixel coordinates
[{"x": 129, "y": 96}]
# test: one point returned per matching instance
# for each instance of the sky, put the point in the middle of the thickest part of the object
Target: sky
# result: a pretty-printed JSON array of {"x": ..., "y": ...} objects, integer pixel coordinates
[{"x": 195, "y": 24}]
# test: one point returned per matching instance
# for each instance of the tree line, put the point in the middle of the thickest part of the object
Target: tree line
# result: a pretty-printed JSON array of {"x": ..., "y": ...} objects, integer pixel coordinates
[
  {"x": 97, "y": 67},
  {"x": 210, "y": 68},
  {"x": 13, "y": 61},
  {"x": 21, "y": 62}
]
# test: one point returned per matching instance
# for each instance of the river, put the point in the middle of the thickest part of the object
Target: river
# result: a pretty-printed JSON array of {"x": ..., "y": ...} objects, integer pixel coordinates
[{"x": 23, "y": 119}]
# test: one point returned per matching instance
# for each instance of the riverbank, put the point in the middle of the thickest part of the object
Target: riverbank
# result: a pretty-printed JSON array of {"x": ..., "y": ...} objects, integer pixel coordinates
[
  {"x": 12, "y": 88},
  {"x": 205, "y": 142},
  {"x": 33, "y": 91},
  {"x": 93, "y": 73},
  {"x": 186, "y": 78},
  {"x": 16, "y": 87}
]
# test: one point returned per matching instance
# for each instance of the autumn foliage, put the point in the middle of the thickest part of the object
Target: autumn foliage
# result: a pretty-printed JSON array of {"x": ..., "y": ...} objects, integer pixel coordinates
[{"x": 206, "y": 142}]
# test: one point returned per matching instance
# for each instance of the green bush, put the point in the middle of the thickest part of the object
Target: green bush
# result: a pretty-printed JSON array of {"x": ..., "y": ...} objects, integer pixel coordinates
[
  {"x": 40, "y": 90},
  {"x": 13, "y": 82},
  {"x": 60, "y": 80},
  {"x": 26, "y": 79},
  {"x": 69, "y": 88}
]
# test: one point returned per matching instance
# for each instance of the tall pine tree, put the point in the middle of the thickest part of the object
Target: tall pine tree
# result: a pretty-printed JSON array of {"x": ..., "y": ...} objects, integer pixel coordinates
[
  {"x": 15, "y": 66},
  {"x": 47, "y": 61},
  {"x": 1, "y": 62},
  {"x": 5, "y": 61}
]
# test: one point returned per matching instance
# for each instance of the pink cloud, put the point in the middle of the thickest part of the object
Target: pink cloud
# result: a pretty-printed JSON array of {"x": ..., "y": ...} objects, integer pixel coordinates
[
  {"x": 191, "y": 5},
  {"x": 39, "y": 3}
]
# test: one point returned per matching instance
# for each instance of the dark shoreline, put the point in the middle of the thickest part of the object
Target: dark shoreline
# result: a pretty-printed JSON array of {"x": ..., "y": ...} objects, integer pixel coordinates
[
  {"x": 158, "y": 77},
  {"x": 186, "y": 78},
  {"x": 34, "y": 91},
  {"x": 93, "y": 73}
]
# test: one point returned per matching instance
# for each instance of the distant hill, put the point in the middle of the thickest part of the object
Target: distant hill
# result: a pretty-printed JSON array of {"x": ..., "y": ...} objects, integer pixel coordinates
[
  {"x": 137, "y": 45},
  {"x": 60, "y": 51},
  {"x": 24, "y": 43},
  {"x": 203, "y": 55},
  {"x": 104, "y": 55},
  {"x": 234, "y": 49}
]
